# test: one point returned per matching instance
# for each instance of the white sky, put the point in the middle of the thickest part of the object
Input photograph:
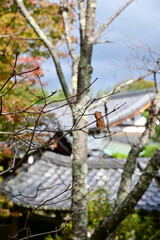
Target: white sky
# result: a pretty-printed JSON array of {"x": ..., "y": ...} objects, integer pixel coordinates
[{"x": 140, "y": 21}]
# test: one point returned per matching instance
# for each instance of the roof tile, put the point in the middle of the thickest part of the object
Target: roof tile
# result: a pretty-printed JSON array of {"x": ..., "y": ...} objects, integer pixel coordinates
[{"x": 45, "y": 174}]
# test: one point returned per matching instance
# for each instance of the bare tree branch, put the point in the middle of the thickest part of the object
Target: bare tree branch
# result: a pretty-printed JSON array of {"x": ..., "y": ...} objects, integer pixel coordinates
[
  {"x": 64, "y": 11},
  {"x": 75, "y": 58},
  {"x": 90, "y": 21},
  {"x": 103, "y": 41},
  {"x": 19, "y": 38},
  {"x": 102, "y": 99},
  {"x": 110, "y": 20},
  {"x": 128, "y": 82},
  {"x": 82, "y": 18},
  {"x": 121, "y": 85}
]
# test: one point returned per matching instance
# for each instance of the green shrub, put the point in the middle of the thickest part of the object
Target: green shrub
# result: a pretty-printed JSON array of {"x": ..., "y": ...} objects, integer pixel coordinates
[
  {"x": 156, "y": 134},
  {"x": 48, "y": 237},
  {"x": 119, "y": 155},
  {"x": 98, "y": 207},
  {"x": 133, "y": 227},
  {"x": 149, "y": 151},
  {"x": 136, "y": 227}
]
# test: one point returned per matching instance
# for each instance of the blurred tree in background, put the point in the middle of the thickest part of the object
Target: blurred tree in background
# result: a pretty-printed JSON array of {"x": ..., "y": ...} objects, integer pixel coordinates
[{"x": 17, "y": 36}]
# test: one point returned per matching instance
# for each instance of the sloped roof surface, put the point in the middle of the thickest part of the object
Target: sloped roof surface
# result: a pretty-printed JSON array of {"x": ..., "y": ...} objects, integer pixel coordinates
[
  {"x": 132, "y": 103},
  {"x": 52, "y": 174}
]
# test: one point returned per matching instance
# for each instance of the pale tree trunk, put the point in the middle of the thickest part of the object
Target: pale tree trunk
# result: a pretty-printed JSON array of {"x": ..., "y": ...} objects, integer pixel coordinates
[
  {"x": 79, "y": 151},
  {"x": 79, "y": 179},
  {"x": 79, "y": 165}
]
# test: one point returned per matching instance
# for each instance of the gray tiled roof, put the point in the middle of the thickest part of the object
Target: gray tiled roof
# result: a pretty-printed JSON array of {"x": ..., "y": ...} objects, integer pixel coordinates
[
  {"x": 53, "y": 171},
  {"x": 133, "y": 102}
]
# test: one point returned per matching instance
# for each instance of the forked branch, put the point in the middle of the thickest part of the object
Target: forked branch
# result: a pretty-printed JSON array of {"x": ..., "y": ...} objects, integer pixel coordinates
[{"x": 103, "y": 27}]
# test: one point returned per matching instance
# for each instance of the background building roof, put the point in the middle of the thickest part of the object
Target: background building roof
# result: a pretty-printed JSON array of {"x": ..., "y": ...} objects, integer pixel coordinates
[
  {"x": 132, "y": 103},
  {"x": 51, "y": 174}
]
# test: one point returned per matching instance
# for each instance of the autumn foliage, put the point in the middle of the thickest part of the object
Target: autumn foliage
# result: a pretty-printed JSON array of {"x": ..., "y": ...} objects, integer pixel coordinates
[{"x": 17, "y": 36}]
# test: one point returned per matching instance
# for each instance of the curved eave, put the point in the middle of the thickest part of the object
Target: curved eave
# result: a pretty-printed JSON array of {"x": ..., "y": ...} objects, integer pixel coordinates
[{"x": 142, "y": 109}]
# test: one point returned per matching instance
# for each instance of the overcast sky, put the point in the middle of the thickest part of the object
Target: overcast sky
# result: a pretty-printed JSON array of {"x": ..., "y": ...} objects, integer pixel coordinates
[{"x": 139, "y": 23}]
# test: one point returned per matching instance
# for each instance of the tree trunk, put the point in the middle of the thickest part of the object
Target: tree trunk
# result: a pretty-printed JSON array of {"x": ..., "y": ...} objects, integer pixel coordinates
[{"x": 79, "y": 177}]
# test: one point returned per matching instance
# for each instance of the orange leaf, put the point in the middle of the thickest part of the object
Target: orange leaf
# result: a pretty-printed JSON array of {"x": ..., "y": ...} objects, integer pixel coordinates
[{"x": 100, "y": 121}]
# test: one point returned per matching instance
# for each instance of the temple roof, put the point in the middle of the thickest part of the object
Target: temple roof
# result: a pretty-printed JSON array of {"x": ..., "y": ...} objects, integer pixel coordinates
[
  {"x": 51, "y": 174},
  {"x": 132, "y": 103}
]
